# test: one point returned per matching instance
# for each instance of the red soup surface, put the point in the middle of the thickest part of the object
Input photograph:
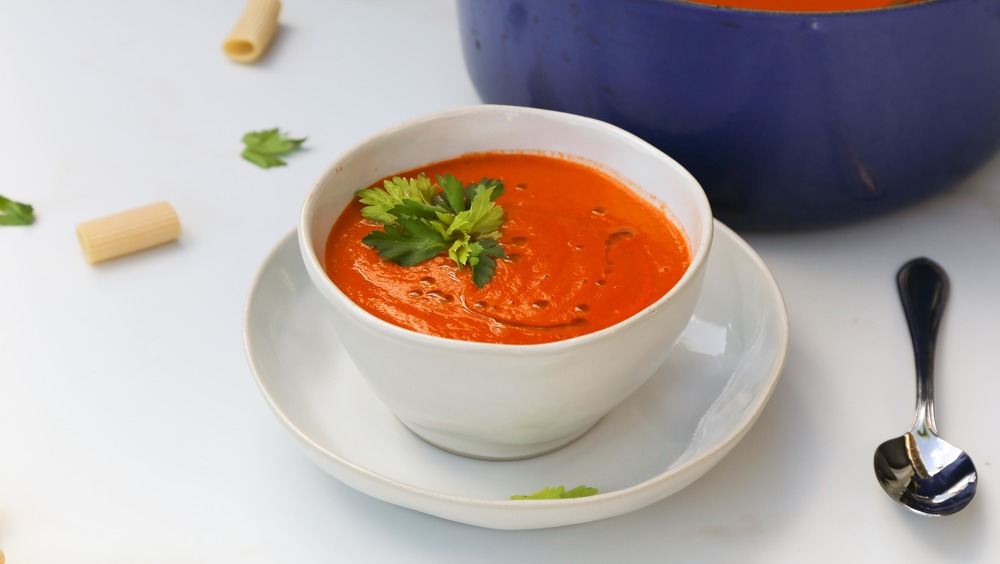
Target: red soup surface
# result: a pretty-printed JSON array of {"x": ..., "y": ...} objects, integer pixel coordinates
[
  {"x": 584, "y": 252},
  {"x": 806, "y": 5}
]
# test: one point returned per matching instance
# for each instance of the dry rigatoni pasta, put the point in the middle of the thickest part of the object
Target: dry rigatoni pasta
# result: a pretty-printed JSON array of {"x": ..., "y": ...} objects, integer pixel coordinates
[
  {"x": 128, "y": 231},
  {"x": 253, "y": 31}
]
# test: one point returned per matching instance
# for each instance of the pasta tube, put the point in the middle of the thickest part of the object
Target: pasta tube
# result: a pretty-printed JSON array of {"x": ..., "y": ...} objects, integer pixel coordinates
[
  {"x": 128, "y": 232},
  {"x": 253, "y": 32}
]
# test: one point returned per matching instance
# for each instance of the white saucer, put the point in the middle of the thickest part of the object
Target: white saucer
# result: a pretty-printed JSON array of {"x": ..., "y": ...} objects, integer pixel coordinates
[{"x": 669, "y": 433}]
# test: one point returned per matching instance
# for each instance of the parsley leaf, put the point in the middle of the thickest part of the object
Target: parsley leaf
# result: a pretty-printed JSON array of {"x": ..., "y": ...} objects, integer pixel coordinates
[
  {"x": 15, "y": 213},
  {"x": 380, "y": 202},
  {"x": 453, "y": 191},
  {"x": 484, "y": 265},
  {"x": 409, "y": 242},
  {"x": 483, "y": 215},
  {"x": 263, "y": 148},
  {"x": 559, "y": 492},
  {"x": 422, "y": 219}
]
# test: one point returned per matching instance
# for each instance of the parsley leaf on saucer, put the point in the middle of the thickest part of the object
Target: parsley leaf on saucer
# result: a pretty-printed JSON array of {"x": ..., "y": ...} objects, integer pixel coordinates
[{"x": 559, "y": 492}]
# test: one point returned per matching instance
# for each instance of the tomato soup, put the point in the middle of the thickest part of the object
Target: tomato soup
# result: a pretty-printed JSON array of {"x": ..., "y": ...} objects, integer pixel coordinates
[
  {"x": 806, "y": 5},
  {"x": 583, "y": 252}
]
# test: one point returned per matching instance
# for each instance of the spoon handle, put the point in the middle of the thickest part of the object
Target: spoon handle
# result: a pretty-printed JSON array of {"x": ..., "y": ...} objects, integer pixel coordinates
[{"x": 923, "y": 289}]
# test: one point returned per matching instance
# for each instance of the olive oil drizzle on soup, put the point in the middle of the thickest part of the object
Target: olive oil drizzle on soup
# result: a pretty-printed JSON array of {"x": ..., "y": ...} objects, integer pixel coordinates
[{"x": 584, "y": 252}]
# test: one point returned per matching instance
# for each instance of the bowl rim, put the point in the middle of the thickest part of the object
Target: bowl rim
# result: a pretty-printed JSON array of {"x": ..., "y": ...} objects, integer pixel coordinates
[{"x": 699, "y": 255}]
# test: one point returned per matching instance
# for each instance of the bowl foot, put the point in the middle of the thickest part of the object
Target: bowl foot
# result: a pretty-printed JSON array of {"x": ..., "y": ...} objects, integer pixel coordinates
[{"x": 472, "y": 447}]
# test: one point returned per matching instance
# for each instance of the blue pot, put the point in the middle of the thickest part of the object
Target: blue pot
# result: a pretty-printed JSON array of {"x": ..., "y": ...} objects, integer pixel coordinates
[{"x": 788, "y": 120}]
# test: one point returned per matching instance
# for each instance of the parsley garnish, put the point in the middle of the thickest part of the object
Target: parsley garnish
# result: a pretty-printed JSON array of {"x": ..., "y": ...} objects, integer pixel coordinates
[
  {"x": 559, "y": 492},
  {"x": 15, "y": 213},
  {"x": 422, "y": 220},
  {"x": 264, "y": 147}
]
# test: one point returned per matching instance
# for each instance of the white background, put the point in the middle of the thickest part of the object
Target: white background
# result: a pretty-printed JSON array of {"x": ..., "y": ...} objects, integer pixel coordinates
[{"x": 131, "y": 429}]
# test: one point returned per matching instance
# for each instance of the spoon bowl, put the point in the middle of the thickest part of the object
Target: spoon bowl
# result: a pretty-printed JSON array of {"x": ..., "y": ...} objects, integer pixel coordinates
[{"x": 920, "y": 470}]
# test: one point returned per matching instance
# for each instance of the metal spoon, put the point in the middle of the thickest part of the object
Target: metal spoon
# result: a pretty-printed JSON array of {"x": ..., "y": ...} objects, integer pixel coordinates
[{"x": 921, "y": 470}]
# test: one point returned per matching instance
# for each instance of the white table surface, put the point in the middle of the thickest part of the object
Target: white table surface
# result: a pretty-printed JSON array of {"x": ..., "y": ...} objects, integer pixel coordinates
[{"x": 131, "y": 429}]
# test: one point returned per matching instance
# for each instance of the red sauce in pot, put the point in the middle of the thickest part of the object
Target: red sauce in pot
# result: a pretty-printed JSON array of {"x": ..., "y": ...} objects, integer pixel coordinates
[{"x": 806, "y": 5}]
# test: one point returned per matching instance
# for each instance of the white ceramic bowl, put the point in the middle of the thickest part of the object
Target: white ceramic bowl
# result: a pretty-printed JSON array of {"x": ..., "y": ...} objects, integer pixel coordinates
[{"x": 519, "y": 400}]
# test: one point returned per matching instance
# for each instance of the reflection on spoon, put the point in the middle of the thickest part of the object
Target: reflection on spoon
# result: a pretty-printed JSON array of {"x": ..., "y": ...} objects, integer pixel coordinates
[{"x": 921, "y": 470}]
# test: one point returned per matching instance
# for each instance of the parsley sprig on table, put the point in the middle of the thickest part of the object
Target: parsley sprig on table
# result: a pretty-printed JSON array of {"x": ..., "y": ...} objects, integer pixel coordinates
[
  {"x": 559, "y": 492},
  {"x": 264, "y": 148},
  {"x": 422, "y": 219},
  {"x": 15, "y": 213}
]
